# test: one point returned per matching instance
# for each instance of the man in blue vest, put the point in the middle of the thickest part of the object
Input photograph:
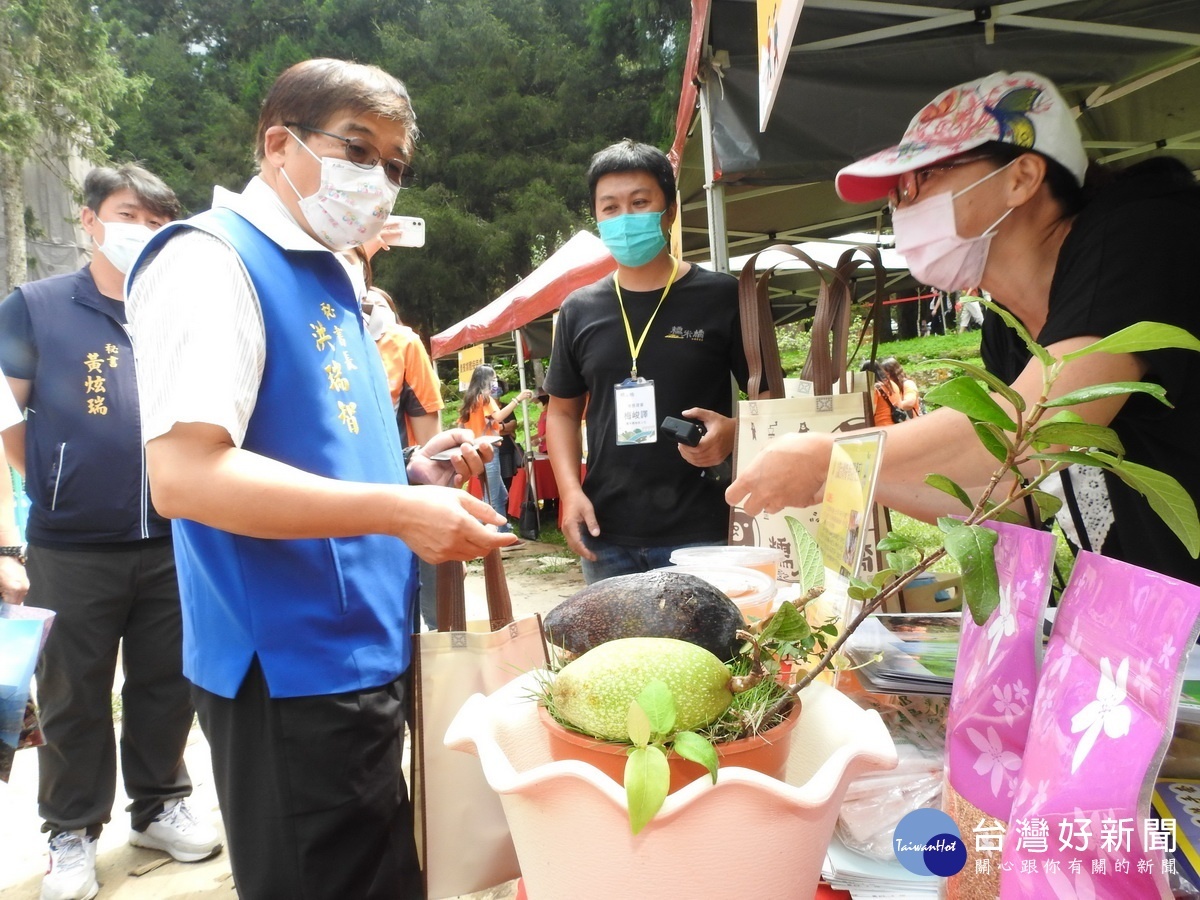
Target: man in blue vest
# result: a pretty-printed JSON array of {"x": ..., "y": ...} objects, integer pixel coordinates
[
  {"x": 272, "y": 443},
  {"x": 99, "y": 554}
]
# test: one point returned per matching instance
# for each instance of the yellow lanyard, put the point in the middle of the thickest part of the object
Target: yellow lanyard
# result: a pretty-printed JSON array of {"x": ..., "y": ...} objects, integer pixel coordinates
[{"x": 635, "y": 349}]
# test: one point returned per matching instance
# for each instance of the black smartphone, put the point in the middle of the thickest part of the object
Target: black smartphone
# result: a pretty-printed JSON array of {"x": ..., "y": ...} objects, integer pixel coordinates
[{"x": 683, "y": 430}]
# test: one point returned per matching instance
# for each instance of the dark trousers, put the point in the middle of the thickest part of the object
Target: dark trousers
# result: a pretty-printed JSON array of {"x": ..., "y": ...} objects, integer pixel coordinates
[
  {"x": 103, "y": 600},
  {"x": 312, "y": 793}
]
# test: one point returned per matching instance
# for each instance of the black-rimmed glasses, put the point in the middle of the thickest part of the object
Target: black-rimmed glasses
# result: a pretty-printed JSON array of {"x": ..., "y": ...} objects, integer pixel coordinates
[{"x": 364, "y": 155}]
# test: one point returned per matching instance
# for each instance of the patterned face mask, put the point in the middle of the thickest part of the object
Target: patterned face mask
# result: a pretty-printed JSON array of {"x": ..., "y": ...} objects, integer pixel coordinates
[{"x": 352, "y": 204}]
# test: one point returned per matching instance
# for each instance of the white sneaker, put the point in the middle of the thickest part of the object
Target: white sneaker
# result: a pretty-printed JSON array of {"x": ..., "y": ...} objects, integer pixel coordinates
[
  {"x": 72, "y": 871},
  {"x": 178, "y": 832}
]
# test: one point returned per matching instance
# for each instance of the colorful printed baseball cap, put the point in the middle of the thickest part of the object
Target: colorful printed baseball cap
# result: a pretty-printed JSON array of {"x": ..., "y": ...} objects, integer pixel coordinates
[{"x": 1022, "y": 109}]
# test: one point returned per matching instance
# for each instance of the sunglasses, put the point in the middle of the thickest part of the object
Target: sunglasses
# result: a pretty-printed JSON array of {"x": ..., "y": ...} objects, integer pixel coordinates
[
  {"x": 909, "y": 184},
  {"x": 364, "y": 155}
]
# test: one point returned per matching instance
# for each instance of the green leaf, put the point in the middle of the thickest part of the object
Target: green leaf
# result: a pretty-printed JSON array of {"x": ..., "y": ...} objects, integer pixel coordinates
[
  {"x": 858, "y": 593},
  {"x": 647, "y": 783},
  {"x": 894, "y": 542},
  {"x": 1009, "y": 319},
  {"x": 1111, "y": 389},
  {"x": 658, "y": 704},
  {"x": 994, "y": 440},
  {"x": 973, "y": 548},
  {"x": 1071, "y": 458},
  {"x": 946, "y": 524},
  {"x": 861, "y": 590},
  {"x": 810, "y": 568},
  {"x": 1073, "y": 434},
  {"x": 637, "y": 723},
  {"x": 1138, "y": 338},
  {"x": 788, "y": 624},
  {"x": 1166, "y": 497},
  {"x": 995, "y": 383},
  {"x": 1009, "y": 515},
  {"x": 883, "y": 576},
  {"x": 946, "y": 486},
  {"x": 965, "y": 395},
  {"x": 1048, "y": 505},
  {"x": 691, "y": 746}
]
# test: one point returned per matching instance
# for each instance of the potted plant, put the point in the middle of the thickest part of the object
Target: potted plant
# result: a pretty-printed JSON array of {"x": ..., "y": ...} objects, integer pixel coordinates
[{"x": 559, "y": 804}]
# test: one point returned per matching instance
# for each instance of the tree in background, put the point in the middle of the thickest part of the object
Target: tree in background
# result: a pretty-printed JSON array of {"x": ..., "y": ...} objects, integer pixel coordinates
[
  {"x": 512, "y": 98},
  {"x": 58, "y": 83}
]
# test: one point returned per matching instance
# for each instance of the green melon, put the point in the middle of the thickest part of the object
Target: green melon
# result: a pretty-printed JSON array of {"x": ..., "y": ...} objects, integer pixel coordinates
[{"x": 593, "y": 693}]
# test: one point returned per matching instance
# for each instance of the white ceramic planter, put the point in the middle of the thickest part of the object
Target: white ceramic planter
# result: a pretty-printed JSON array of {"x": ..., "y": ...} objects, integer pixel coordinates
[{"x": 748, "y": 835}]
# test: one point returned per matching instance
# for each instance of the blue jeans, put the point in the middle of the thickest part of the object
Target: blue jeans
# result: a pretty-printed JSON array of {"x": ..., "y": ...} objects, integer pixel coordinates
[
  {"x": 497, "y": 492},
  {"x": 614, "y": 559}
]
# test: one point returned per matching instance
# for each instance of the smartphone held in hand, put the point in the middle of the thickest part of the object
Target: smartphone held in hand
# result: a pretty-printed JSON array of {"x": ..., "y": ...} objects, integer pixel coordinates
[{"x": 404, "y": 231}]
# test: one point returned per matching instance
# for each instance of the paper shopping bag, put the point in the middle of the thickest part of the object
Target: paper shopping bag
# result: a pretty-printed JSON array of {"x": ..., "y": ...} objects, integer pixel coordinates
[
  {"x": 826, "y": 399},
  {"x": 462, "y": 834}
]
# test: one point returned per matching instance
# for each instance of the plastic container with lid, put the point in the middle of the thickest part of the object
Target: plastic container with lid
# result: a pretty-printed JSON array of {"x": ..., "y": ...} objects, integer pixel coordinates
[
  {"x": 764, "y": 559},
  {"x": 750, "y": 589}
]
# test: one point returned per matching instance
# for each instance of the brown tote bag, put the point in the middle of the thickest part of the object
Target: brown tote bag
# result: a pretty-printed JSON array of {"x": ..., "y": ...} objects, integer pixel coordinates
[
  {"x": 462, "y": 834},
  {"x": 839, "y": 400}
]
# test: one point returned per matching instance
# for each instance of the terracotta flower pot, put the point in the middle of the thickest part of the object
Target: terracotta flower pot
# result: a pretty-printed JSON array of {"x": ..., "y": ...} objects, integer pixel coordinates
[{"x": 766, "y": 752}]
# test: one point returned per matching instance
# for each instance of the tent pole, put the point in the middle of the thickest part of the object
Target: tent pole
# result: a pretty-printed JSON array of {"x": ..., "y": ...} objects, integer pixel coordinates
[
  {"x": 524, "y": 405},
  {"x": 718, "y": 241}
]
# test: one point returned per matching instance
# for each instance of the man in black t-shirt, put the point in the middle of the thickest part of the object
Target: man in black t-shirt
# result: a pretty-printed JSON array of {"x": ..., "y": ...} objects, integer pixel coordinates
[{"x": 659, "y": 338}]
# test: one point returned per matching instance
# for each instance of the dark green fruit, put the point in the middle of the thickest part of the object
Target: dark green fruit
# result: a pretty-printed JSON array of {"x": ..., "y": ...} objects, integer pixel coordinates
[{"x": 647, "y": 604}]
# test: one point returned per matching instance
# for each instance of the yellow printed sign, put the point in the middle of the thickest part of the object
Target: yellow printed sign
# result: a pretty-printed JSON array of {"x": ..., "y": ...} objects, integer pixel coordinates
[
  {"x": 468, "y": 360},
  {"x": 849, "y": 495}
]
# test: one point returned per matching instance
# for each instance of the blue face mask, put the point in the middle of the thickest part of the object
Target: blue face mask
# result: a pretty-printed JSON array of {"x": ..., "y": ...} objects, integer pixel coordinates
[{"x": 633, "y": 238}]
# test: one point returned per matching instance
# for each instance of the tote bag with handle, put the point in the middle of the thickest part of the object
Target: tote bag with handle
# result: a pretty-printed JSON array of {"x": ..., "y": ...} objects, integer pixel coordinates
[
  {"x": 462, "y": 834},
  {"x": 829, "y": 399}
]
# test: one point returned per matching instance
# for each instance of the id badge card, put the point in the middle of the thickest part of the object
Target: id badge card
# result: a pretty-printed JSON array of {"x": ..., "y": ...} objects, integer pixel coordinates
[{"x": 634, "y": 409}]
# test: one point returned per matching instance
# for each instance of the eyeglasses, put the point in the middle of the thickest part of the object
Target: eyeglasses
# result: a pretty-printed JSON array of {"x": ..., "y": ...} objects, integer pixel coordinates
[
  {"x": 364, "y": 155},
  {"x": 909, "y": 184}
]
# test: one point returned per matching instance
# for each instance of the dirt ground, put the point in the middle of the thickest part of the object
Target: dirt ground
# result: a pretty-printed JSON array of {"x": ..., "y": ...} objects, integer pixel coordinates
[{"x": 539, "y": 576}]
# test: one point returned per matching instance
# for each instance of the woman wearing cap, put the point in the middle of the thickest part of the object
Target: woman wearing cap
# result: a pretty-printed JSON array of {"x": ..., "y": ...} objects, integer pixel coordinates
[{"x": 987, "y": 189}]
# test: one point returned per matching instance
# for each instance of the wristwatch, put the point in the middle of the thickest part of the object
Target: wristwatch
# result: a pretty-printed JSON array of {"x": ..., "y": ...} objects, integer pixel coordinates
[{"x": 15, "y": 550}]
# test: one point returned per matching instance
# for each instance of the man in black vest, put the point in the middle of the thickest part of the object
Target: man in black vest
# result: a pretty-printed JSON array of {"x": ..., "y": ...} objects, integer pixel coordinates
[{"x": 99, "y": 555}]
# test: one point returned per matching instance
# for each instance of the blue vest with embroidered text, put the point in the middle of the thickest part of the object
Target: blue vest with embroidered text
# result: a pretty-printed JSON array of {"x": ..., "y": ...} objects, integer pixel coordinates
[
  {"x": 85, "y": 467},
  {"x": 323, "y": 616}
]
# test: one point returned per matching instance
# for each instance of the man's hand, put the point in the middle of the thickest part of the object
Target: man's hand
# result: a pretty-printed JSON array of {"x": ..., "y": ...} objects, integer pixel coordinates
[
  {"x": 716, "y": 445},
  {"x": 441, "y": 523},
  {"x": 466, "y": 459},
  {"x": 14, "y": 583},
  {"x": 577, "y": 515}
]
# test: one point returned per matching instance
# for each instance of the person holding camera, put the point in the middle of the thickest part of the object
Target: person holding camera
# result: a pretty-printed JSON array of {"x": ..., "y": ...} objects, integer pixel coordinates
[{"x": 659, "y": 338}]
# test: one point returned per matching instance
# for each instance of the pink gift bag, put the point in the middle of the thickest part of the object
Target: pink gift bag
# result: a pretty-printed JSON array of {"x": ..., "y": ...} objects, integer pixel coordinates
[
  {"x": 997, "y": 673},
  {"x": 1081, "y": 824},
  {"x": 991, "y": 706}
]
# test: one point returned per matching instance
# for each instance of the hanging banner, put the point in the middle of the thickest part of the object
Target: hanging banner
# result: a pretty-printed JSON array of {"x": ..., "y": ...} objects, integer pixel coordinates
[
  {"x": 776, "y": 29},
  {"x": 469, "y": 358}
]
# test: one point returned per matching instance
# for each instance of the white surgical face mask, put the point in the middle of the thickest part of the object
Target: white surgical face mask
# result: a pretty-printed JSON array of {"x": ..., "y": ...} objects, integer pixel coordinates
[
  {"x": 928, "y": 239},
  {"x": 379, "y": 319},
  {"x": 351, "y": 206},
  {"x": 123, "y": 241}
]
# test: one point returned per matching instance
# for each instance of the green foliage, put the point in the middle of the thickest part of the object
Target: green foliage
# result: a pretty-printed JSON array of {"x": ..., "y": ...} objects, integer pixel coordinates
[
  {"x": 647, "y": 774},
  {"x": 1043, "y": 439},
  {"x": 512, "y": 99}
]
